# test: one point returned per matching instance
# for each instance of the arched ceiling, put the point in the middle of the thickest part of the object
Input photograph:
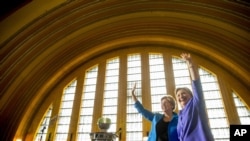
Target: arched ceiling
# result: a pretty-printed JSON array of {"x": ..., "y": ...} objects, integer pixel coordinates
[{"x": 39, "y": 54}]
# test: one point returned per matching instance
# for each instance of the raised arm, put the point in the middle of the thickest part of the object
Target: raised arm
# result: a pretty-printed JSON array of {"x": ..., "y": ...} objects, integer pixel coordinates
[
  {"x": 192, "y": 67},
  {"x": 144, "y": 112},
  {"x": 133, "y": 93}
]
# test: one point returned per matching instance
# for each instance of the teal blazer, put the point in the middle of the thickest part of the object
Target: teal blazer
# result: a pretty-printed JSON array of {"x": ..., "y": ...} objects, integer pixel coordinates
[{"x": 154, "y": 118}]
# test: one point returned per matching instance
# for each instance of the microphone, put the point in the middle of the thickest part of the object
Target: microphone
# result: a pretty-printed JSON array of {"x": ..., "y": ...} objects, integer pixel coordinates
[{"x": 120, "y": 133}]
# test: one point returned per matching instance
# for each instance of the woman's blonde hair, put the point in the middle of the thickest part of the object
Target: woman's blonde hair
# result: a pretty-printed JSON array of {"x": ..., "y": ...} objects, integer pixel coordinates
[
  {"x": 185, "y": 89},
  {"x": 171, "y": 100}
]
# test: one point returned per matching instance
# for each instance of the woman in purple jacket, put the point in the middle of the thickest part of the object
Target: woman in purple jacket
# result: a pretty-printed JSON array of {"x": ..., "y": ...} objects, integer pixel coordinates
[
  {"x": 193, "y": 121},
  {"x": 164, "y": 126}
]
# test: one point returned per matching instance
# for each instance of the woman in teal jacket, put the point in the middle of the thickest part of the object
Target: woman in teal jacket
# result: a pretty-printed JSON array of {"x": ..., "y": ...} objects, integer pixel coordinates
[{"x": 164, "y": 126}]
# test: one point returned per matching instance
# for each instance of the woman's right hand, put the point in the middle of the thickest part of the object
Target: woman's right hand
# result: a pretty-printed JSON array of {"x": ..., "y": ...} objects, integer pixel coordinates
[
  {"x": 186, "y": 57},
  {"x": 133, "y": 93}
]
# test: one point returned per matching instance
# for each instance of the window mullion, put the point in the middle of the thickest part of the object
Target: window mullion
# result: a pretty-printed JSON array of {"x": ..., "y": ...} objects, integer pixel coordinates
[
  {"x": 76, "y": 108},
  {"x": 230, "y": 107},
  {"x": 54, "y": 114},
  {"x": 98, "y": 104},
  {"x": 169, "y": 75},
  {"x": 122, "y": 97},
  {"x": 145, "y": 88}
]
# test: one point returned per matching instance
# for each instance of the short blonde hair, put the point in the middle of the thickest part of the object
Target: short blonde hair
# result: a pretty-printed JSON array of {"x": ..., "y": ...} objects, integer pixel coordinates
[
  {"x": 185, "y": 89},
  {"x": 171, "y": 100}
]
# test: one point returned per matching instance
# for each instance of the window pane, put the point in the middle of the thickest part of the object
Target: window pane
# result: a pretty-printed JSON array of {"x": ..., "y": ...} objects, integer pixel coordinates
[
  {"x": 243, "y": 112},
  {"x": 65, "y": 113},
  {"x": 216, "y": 111},
  {"x": 157, "y": 80},
  {"x": 181, "y": 73},
  {"x": 111, "y": 92},
  {"x": 44, "y": 125},
  {"x": 87, "y": 105},
  {"x": 134, "y": 119}
]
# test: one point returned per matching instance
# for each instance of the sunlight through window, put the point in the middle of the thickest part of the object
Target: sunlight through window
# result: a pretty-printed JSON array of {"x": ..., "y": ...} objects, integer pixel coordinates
[
  {"x": 243, "y": 112},
  {"x": 157, "y": 80},
  {"x": 134, "y": 119},
  {"x": 111, "y": 92},
  {"x": 42, "y": 131},
  {"x": 65, "y": 112},
  {"x": 215, "y": 107},
  {"x": 87, "y": 106}
]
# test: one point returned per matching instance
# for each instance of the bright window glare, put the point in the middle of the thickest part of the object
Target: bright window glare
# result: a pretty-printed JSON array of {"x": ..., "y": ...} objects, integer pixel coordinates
[
  {"x": 87, "y": 105},
  {"x": 42, "y": 132},
  {"x": 243, "y": 112},
  {"x": 65, "y": 112},
  {"x": 134, "y": 119},
  {"x": 215, "y": 107},
  {"x": 157, "y": 80},
  {"x": 111, "y": 92}
]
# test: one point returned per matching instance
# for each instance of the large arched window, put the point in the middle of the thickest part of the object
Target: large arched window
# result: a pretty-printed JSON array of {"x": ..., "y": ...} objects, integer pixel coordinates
[{"x": 105, "y": 92}]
